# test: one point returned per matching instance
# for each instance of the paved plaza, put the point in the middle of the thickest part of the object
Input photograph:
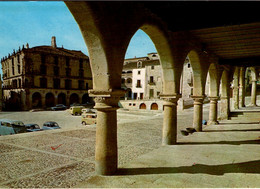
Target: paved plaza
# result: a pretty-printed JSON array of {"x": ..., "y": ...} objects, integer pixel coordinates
[{"x": 225, "y": 155}]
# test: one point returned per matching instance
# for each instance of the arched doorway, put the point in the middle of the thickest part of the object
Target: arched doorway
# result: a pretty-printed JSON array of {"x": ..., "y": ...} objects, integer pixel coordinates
[
  {"x": 49, "y": 100},
  {"x": 74, "y": 98},
  {"x": 85, "y": 98},
  {"x": 36, "y": 100},
  {"x": 62, "y": 98},
  {"x": 154, "y": 106},
  {"x": 142, "y": 106}
]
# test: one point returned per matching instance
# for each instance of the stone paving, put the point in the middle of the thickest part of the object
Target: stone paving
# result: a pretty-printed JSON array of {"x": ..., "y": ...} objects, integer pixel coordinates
[{"x": 65, "y": 157}]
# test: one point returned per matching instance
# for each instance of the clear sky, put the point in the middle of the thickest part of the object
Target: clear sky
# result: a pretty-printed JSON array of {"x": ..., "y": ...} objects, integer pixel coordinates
[{"x": 35, "y": 22}]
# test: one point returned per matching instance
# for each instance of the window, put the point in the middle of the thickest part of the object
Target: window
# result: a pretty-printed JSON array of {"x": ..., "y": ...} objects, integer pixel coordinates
[
  {"x": 80, "y": 63},
  {"x": 19, "y": 68},
  {"x": 43, "y": 82},
  {"x": 81, "y": 73},
  {"x": 43, "y": 69},
  {"x": 14, "y": 83},
  {"x": 56, "y": 60},
  {"x": 139, "y": 64},
  {"x": 56, "y": 83},
  {"x": 68, "y": 72},
  {"x": 18, "y": 58},
  {"x": 151, "y": 93},
  {"x": 151, "y": 79},
  {"x": 56, "y": 70},
  {"x": 122, "y": 81},
  {"x": 152, "y": 67},
  {"x": 86, "y": 86},
  {"x": 141, "y": 95},
  {"x": 139, "y": 72},
  {"x": 67, "y": 61},
  {"x": 80, "y": 84},
  {"x": 43, "y": 59},
  {"x": 68, "y": 84},
  {"x": 188, "y": 65},
  {"x": 138, "y": 84}
]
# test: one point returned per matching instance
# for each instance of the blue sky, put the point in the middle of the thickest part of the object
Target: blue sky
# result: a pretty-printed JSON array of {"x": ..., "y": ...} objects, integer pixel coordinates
[{"x": 36, "y": 22}]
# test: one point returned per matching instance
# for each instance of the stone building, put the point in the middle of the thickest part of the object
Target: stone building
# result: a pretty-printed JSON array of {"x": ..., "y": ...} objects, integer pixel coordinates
[
  {"x": 142, "y": 79},
  {"x": 43, "y": 76}
]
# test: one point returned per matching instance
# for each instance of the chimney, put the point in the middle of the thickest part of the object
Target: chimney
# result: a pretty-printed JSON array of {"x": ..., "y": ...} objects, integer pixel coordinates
[{"x": 53, "y": 42}]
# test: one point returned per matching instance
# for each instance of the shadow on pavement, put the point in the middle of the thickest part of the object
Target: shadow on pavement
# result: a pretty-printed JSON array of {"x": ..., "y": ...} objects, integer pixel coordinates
[
  {"x": 245, "y": 167},
  {"x": 221, "y": 142}
]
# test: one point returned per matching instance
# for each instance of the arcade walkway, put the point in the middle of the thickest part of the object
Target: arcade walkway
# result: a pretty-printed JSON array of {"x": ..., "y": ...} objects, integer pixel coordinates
[{"x": 225, "y": 155}]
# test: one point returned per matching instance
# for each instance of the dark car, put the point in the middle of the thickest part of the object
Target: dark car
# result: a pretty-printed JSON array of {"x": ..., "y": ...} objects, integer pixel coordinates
[
  {"x": 59, "y": 107},
  {"x": 49, "y": 125},
  {"x": 32, "y": 127}
]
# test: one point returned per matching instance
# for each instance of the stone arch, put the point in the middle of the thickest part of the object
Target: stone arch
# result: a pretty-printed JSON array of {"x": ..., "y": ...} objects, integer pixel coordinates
[
  {"x": 49, "y": 99},
  {"x": 129, "y": 80},
  {"x": 154, "y": 106},
  {"x": 74, "y": 98},
  {"x": 36, "y": 100},
  {"x": 62, "y": 98},
  {"x": 214, "y": 80},
  {"x": 199, "y": 73},
  {"x": 142, "y": 106},
  {"x": 171, "y": 65},
  {"x": 85, "y": 98}
]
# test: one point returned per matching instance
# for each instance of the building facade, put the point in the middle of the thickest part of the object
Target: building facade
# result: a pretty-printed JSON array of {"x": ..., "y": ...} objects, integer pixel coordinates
[
  {"x": 43, "y": 76},
  {"x": 142, "y": 79}
]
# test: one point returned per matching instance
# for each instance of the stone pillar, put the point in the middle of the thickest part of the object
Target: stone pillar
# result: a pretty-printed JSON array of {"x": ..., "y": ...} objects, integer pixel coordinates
[
  {"x": 169, "y": 131},
  {"x": 235, "y": 97},
  {"x": 23, "y": 100},
  {"x": 68, "y": 100},
  {"x": 213, "y": 110},
  {"x": 197, "y": 112},
  {"x": 253, "y": 93},
  {"x": 106, "y": 132},
  {"x": 43, "y": 102},
  {"x": 56, "y": 99},
  {"x": 224, "y": 107},
  {"x": 242, "y": 87}
]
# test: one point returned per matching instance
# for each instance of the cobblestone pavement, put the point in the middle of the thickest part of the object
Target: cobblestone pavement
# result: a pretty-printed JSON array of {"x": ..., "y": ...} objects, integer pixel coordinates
[{"x": 65, "y": 157}]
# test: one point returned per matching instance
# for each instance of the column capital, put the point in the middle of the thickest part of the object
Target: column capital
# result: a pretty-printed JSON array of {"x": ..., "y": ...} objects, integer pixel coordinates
[
  {"x": 213, "y": 98},
  {"x": 224, "y": 97},
  {"x": 170, "y": 99},
  {"x": 106, "y": 100},
  {"x": 198, "y": 100}
]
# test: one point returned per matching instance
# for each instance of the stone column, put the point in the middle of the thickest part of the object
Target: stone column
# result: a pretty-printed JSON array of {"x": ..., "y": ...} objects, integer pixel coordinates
[
  {"x": 106, "y": 132},
  {"x": 43, "y": 102},
  {"x": 68, "y": 100},
  {"x": 235, "y": 97},
  {"x": 213, "y": 110},
  {"x": 23, "y": 100},
  {"x": 224, "y": 107},
  {"x": 169, "y": 131},
  {"x": 242, "y": 87},
  {"x": 197, "y": 112},
  {"x": 55, "y": 99},
  {"x": 253, "y": 93}
]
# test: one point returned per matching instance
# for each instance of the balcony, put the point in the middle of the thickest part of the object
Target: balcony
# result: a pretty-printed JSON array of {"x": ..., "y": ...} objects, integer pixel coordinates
[{"x": 151, "y": 83}]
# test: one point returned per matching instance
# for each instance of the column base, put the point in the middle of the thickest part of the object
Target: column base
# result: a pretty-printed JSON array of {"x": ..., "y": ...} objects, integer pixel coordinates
[{"x": 213, "y": 123}]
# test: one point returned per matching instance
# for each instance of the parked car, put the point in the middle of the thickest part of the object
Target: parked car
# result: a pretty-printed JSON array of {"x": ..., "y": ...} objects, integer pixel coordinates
[
  {"x": 74, "y": 104},
  {"x": 9, "y": 127},
  {"x": 32, "y": 127},
  {"x": 89, "y": 118},
  {"x": 49, "y": 125},
  {"x": 76, "y": 110},
  {"x": 59, "y": 107}
]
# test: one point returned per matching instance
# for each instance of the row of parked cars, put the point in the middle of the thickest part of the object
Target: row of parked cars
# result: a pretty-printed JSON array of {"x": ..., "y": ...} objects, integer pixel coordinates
[
  {"x": 63, "y": 107},
  {"x": 9, "y": 127}
]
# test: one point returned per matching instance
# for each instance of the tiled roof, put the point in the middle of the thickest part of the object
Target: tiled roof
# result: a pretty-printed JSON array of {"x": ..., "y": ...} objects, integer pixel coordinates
[{"x": 59, "y": 51}]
